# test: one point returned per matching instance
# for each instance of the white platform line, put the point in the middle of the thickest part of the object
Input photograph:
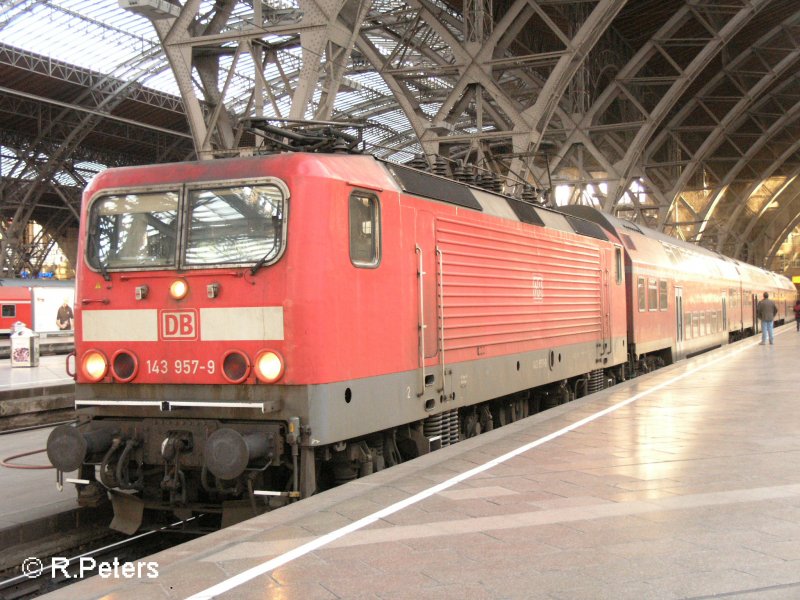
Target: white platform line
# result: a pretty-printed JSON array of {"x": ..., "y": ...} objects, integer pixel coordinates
[{"x": 272, "y": 564}]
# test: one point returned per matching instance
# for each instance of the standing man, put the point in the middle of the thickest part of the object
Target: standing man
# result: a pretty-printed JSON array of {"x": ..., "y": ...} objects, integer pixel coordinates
[
  {"x": 64, "y": 316},
  {"x": 766, "y": 311}
]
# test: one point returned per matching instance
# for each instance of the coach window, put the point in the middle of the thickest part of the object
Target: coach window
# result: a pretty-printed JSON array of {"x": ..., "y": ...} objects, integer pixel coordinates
[
  {"x": 652, "y": 295},
  {"x": 9, "y": 310},
  {"x": 618, "y": 264},
  {"x": 663, "y": 299},
  {"x": 364, "y": 230},
  {"x": 640, "y": 289}
]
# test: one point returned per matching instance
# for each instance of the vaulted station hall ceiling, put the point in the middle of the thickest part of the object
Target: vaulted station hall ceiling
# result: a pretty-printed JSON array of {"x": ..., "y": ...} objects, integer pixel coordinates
[{"x": 680, "y": 114}]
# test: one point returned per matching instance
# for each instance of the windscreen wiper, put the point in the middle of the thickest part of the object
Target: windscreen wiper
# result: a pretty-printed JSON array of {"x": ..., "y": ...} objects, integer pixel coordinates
[{"x": 261, "y": 262}]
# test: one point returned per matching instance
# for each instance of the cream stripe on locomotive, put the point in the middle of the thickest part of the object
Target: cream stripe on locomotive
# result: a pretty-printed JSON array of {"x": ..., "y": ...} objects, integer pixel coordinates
[
  {"x": 119, "y": 325},
  {"x": 215, "y": 324},
  {"x": 258, "y": 323}
]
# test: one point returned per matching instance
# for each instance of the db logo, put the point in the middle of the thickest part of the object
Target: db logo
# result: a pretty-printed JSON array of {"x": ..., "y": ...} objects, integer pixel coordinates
[{"x": 178, "y": 325}]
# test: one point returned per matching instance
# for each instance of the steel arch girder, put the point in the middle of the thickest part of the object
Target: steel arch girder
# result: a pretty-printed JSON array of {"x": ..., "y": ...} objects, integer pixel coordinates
[
  {"x": 737, "y": 112},
  {"x": 694, "y": 69},
  {"x": 635, "y": 150},
  {"x": 777, "y": 127},
  {"x": 540, "y": 114},
  {"x": 746, "y": 234},
  {"x": 734, "y": 171},
  {"x": 584, "y": 126},
  {"x": 172, "y": 33},
  {"x": 791, "y": 224}
]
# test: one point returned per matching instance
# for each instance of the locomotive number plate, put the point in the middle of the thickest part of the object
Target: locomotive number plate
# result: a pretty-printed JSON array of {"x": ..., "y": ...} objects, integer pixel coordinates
[{"x": 180, "y": 367}]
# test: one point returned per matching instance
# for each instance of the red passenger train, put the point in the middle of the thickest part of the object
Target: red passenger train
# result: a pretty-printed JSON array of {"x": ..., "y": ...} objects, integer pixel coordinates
[
  {"x": 265, "y": 327},
  {"x": 34, "y": 303}
]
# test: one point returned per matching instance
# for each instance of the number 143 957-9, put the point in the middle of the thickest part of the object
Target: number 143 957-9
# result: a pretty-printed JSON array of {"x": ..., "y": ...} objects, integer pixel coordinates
[{"x": 180, "y": 367}]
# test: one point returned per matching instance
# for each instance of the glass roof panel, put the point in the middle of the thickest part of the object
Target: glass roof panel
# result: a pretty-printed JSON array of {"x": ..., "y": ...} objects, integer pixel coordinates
[{"x": 100, "y": 36}]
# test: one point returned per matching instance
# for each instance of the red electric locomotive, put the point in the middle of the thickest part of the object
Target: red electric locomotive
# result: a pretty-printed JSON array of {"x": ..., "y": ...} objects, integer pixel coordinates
[
  {"x": 270, "y": 326},
  {"x": 15, "y": 306}
]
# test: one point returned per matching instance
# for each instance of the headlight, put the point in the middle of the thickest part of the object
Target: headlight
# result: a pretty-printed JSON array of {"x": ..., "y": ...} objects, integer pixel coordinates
[
  {"x": 124, "y": 365},
  {"x": 179, "y": 289},
  {"x": 94, "y": 365},
  {"x": 235, "y": 366},
  {"x": 269, "y": 366}
]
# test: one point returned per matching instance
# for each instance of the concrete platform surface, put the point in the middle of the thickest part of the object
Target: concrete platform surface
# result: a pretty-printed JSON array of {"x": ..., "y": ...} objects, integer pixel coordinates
[
  {"x": 30, "y": 494},
  {"x": 681, "y": 484},
  {"x": 51, "y": 371}
]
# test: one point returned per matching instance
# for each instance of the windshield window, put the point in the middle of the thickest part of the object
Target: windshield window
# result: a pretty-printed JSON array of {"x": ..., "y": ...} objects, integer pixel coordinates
[
  {"x": 134, "y": 230},
  {"x": 231, "y": 225}
]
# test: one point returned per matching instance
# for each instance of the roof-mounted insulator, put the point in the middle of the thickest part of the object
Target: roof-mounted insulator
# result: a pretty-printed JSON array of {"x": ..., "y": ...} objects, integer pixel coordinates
[
  {"x": 419, "y": 162},
  {"x": 341, "y": 146},
  {"x": 471, "y": 174},
  {"x": 490, "y": 181},
  {"x": 460, "y": 172},
  {"x": 528, "y": 193},
  {"x": 440, "y": 167}
]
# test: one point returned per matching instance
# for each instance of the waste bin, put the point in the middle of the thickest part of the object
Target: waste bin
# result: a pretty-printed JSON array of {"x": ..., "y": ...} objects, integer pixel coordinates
[{"x": 24, "y": 348}]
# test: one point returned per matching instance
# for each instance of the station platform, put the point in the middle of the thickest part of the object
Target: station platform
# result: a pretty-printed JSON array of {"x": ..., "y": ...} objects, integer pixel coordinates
[
  {"x": 54, "y": 343},
  {"x": 51, "y": 371},
  {"x": 684, "y": 483},
  {"x": 31, "y": 495}
]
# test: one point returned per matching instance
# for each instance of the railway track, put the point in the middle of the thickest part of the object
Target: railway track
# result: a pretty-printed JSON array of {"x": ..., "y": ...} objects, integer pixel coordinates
[
  {"x": 45, "y": 405},
  {"x": 87, "y": 551}
]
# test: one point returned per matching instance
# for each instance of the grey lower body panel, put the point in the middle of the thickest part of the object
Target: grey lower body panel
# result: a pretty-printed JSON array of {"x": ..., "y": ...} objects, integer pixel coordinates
[{"x": 349, "y": 409}]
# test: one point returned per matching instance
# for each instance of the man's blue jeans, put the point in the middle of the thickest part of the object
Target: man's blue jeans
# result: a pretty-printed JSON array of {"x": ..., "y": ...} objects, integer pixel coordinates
[{"x": 767, "y": 330}]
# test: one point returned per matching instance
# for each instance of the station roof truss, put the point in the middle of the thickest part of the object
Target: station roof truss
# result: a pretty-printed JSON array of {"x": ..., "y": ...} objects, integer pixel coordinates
[{"x": 683, "y": 115}]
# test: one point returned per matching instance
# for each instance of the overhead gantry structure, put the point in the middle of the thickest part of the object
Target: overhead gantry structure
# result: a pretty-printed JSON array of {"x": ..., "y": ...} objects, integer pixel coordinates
[{"x": 680, "y": 114}]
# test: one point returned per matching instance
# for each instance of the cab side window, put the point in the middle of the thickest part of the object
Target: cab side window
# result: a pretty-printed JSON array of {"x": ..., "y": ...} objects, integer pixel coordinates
[{"x": 364, "y": 229}]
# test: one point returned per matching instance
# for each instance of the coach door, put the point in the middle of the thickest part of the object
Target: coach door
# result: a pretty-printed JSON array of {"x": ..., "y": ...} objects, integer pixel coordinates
[
  {"x": 725, "y": 313},
  {"x": 425, "y": 250},
  {"x": 680, "y": 330},
  {"x": 756, "y": 322}
]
